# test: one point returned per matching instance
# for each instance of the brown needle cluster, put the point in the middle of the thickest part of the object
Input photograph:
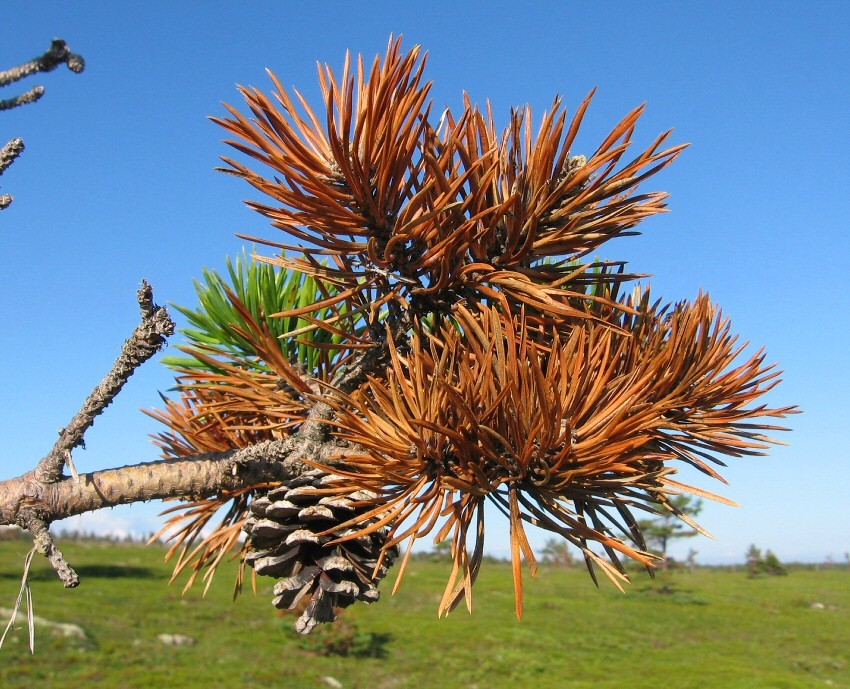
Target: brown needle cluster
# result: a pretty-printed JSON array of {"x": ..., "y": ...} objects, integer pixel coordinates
[
  {"x": 571, "y": 435},
  {"x": 505, "y": 365},
  {"x": 423, "y": 216}
]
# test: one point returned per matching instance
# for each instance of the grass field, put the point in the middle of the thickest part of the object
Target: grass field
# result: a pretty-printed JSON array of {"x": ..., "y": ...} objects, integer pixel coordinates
[{"x": 719, "y": 629}]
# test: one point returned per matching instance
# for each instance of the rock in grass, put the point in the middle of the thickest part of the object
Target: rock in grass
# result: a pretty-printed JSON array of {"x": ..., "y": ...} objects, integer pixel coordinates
[
  {"x": 63, "y": 629},
  {"x": 176, "y": 640}
]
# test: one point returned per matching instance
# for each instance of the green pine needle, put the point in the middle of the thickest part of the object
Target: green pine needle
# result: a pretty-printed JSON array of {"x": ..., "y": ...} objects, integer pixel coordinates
[{"x": 217, "y": 328}]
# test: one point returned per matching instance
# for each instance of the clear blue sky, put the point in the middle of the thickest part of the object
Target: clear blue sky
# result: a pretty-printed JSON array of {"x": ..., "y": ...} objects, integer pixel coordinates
[{"x": 117, "y": 184}]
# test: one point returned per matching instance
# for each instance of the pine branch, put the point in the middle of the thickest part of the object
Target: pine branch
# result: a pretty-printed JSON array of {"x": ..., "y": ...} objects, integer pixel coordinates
[
  {"x": 9, "y": 153},
  {"x": 58, "y": 53},
  {"x": 26, "y": 497},
  {"x": 475, "y": 356},
  {"x": 37, "y": 498},
  {"x": 31, "y": 96},
  {"x": 46, "y": 546},
  {"x": 31, "y": 503},
  {"x": 30, "y": 500},
  {"x": 147, "y": 339}
]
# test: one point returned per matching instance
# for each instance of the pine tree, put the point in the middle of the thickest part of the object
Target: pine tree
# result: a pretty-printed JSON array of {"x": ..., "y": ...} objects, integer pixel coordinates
[
  {"x": 674, "y": 520},
  {"x": 433, "y": 330},
  {"x": 557, "y": 551}
]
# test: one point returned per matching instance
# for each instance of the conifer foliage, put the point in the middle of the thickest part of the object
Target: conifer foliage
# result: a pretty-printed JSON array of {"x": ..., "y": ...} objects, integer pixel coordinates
[{"x": 448, "y": 264}]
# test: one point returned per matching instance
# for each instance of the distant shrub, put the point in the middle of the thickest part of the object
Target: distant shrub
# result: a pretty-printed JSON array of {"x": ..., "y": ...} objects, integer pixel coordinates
[{"x": 759, "y": 564}]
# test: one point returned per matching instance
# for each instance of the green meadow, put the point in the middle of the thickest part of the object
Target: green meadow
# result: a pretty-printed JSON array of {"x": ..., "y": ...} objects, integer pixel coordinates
[{"x": 718, "y": 628}]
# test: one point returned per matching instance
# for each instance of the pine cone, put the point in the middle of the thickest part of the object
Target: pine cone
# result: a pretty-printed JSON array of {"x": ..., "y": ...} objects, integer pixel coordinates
[{"x": 284, "y": 544}]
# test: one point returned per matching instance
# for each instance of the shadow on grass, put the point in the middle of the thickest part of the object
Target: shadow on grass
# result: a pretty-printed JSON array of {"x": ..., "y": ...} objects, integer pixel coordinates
[
  {"x": 670, "y": 593},
  {"x": 90, "y": 572},
  {"x": 346, "y": 640}
]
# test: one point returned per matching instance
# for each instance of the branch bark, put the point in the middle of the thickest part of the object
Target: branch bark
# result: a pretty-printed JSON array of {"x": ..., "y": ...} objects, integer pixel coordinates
[
  {"x": 26, "y": 496},
  {"x": 147, "y": 339},
  {"x": 8, "y": 154},
  {"x": 58, "y": 53}
]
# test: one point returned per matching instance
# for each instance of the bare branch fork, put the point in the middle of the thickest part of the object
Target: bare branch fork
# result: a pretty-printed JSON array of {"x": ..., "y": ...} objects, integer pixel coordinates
[
  {"x": 58, "y": 53},
  {"x": 26, "y": 501},
  {"x": 43, "y": 495},
  {"x": 147, "y": 339}
]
